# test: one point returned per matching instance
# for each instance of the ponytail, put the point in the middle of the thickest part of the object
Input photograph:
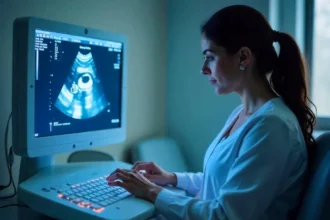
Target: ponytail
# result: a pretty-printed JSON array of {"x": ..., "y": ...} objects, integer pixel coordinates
[{"x": 289, "y": 81}]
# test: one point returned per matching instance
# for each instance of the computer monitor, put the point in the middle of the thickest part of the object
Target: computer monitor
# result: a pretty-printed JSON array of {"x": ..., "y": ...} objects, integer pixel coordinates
[
  {"x": 69, "y": 87},
  {"x": 69, "y": 93}
]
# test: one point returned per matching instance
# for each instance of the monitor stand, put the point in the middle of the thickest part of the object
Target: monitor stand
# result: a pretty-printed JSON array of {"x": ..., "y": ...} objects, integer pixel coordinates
[{"x": 31, "y": 166}]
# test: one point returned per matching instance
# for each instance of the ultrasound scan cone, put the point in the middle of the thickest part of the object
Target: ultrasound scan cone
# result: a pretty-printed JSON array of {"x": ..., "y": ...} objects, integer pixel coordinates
[{"x": 82, "y": 96}]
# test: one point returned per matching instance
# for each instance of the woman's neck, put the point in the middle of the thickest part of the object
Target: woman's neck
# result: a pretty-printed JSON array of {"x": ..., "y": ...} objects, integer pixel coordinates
[{"x": 254, "y": 94}]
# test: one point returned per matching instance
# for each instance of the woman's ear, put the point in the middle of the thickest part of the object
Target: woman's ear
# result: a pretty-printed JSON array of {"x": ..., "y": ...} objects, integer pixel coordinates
[{"x": 245, "y": 56}]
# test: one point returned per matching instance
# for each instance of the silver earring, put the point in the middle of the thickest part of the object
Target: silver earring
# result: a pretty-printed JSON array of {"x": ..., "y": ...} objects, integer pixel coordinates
[{"x": 241, "y": 67}]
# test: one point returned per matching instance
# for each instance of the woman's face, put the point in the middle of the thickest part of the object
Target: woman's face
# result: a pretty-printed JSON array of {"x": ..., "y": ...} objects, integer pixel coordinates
[{"x": 221, "y": 68}]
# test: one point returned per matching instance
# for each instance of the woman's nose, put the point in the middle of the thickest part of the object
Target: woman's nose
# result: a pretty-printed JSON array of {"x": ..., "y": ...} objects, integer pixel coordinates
[{"x": 205, "y": 70}]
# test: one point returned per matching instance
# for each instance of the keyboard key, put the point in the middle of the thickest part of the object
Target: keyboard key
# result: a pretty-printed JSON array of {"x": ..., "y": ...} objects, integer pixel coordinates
[
  {"x": 93, "y": 195},
  {"x": 102, "y": 198},
  {"x": 75, "y": 190},
  {"x": 95, "y": 200},
  {"x": 76, "y": 200},
  {"x": 121, "y": 190},
  {"x": 68, "y": 192},
  {"x": 116, "y": 199},
  {"x": 73, "y": 197},
  {"x": 115, "y": 193},
  {"x": 84, "y": 203},
  {"x": 88, "y": 197},
  {"x": 79, "y": 194},
  {"x": 103, "y": 193},
  {"x": 84, "y": 193},
  {"x": 96, "y": 206},
  {"x": 110, "y": 201},
  {"x": 103, "y": 204},
  {"x": 124, "y": 195},
  {"x": 88, "y": 186}
]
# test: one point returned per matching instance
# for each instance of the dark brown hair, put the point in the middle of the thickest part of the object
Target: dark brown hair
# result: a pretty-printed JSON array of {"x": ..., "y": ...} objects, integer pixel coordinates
[{"x": 237, "y": 26}]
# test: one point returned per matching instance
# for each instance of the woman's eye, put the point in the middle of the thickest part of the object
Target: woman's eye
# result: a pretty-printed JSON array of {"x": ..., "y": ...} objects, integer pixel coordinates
[{"x": 208, "y": 58}]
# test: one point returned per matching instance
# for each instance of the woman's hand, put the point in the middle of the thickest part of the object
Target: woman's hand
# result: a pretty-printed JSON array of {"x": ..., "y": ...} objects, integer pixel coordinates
[
  {"x": 155, "y": 174},
  {"x": 135, "y": 183}
]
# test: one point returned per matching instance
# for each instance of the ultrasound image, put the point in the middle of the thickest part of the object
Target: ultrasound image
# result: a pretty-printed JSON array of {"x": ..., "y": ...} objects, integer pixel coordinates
[{"x": 82, "y": 95}]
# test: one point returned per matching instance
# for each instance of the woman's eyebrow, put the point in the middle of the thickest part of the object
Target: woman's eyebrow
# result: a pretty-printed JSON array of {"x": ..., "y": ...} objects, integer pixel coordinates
[{"x": 208, "y": 50}]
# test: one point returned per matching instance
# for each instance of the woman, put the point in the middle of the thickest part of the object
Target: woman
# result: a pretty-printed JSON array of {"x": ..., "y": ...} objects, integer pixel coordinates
[{"x": 255, "y": 167}]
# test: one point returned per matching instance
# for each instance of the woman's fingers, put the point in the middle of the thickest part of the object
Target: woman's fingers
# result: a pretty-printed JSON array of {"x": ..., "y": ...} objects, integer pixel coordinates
[
  {"x": 139, "y": 174},
  {"x": 123, "y": 176},
  {"x": 151, "y": 178},
  {"x": 145, "y": 167},
  {"x": 121, "y": 173},
  {"x": 118, "y": 183},
  {"x": 112, "y": 176},
  {"x": 136, "y": 164},
  {"x": 140, "y": 166}
]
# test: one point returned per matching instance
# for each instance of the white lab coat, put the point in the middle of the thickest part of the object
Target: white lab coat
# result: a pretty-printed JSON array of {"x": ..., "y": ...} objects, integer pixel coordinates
[{"x": 256, "y": 173}]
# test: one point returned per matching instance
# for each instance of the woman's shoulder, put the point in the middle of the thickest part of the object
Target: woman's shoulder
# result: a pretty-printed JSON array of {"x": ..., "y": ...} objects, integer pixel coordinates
[
  {"x": 276, "y": 124},
  {"x": 276, "y": 112},
  {"x": 277, "y": 117}
]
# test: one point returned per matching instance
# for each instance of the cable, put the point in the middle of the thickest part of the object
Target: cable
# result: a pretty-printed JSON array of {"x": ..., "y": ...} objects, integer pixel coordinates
[
  {"x": 11, "y": 180},
  {"x": 2, "y": 187},
  {"x": 5, "y": 206},
  {"x": 9, "y": 162}
]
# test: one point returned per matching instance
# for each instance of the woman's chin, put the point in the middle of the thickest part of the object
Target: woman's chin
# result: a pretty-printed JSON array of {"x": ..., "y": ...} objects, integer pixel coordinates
[{"x": 220, "y": 91}]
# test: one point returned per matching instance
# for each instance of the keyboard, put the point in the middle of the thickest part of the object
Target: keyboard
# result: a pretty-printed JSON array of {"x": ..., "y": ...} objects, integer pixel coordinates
[
  {"x": 80, "y": 191},
  {"x": 95, "y": 193}
]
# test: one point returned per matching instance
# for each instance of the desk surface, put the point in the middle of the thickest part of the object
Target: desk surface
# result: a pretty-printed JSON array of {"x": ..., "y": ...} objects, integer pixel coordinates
[
  {"x": 18, "y": 213},
  {"x": 23, "y": 213}
]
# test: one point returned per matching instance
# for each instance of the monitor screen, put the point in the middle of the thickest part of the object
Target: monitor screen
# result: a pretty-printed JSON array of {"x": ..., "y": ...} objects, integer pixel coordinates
[{"x": 77, "y": 84}]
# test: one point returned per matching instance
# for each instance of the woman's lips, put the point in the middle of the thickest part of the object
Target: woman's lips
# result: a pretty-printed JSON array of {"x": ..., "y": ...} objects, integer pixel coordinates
[{"x": 213, "y": 81}]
